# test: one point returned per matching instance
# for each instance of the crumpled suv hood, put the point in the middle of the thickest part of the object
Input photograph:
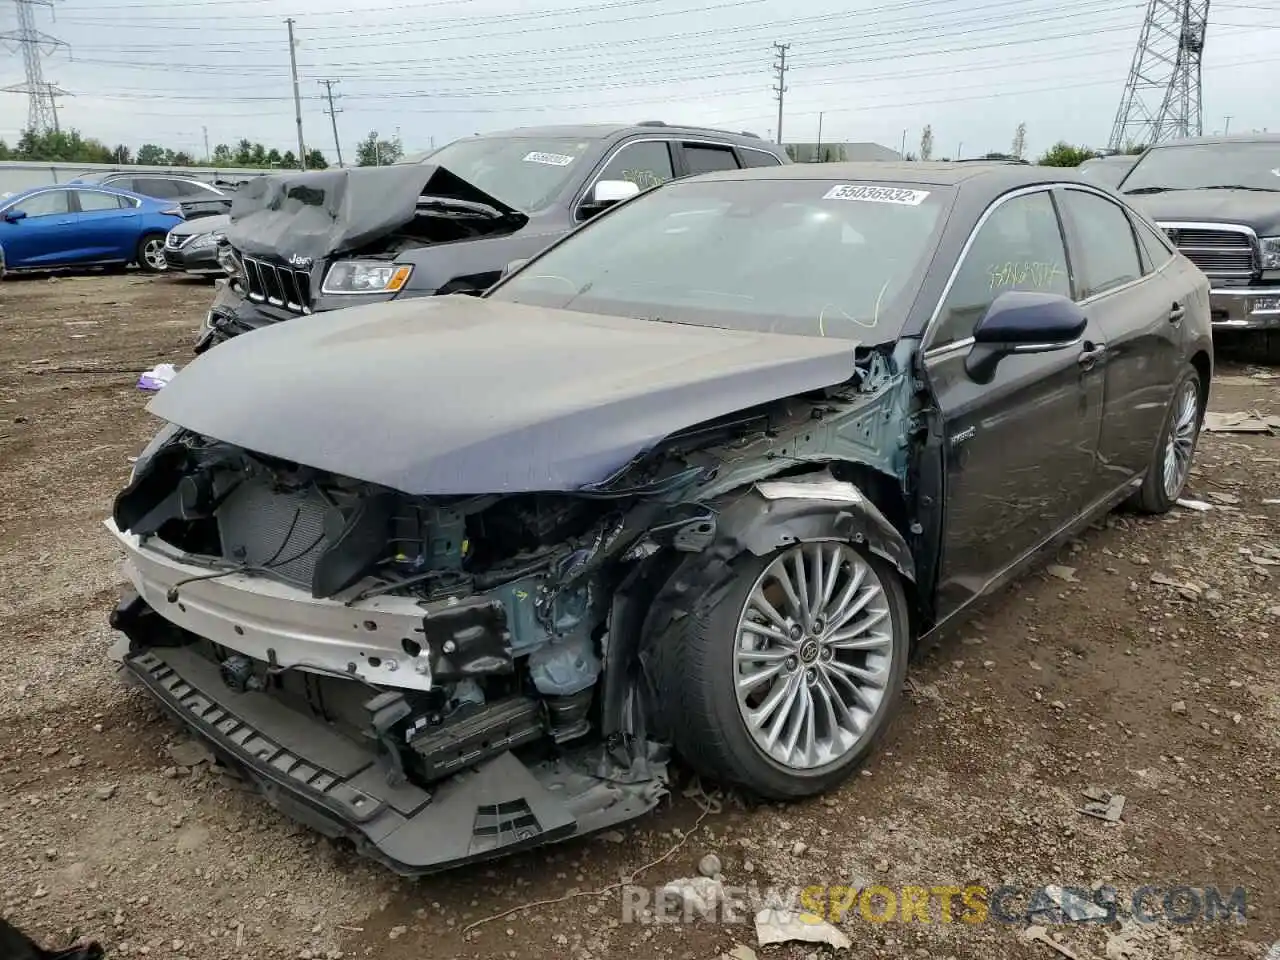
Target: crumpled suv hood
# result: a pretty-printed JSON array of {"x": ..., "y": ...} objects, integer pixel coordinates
[
  {"x": 459, "y": 395},
  {"x": 311, "y": 216}
]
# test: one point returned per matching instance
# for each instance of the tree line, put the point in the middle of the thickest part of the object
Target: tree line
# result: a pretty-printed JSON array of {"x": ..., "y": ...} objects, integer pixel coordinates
[{"x": 69, "y": 146}]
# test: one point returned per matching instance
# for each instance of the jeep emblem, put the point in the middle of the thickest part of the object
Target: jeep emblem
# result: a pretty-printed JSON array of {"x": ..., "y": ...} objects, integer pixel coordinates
[{"x": 299, "y": 261}]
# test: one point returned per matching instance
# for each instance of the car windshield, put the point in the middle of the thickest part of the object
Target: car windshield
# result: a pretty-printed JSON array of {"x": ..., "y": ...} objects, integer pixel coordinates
[
  {"x": 811, "y": 257},
  {"x": 526, "y": 173},
  {"x": 1105, "y": 172},
  {"x": 1197, "y": 166}
]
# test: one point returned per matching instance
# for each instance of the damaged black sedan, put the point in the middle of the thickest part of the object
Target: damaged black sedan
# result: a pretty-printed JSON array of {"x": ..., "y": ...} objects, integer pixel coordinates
[{"x": 452, "y": 577}]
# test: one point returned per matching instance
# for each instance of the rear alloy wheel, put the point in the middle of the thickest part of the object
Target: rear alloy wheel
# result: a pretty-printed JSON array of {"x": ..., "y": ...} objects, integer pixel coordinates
[
  {"x": 786, "y": 682},
  {"x": 1171, "y": 464},
  {"x": 151, "y": 254}
]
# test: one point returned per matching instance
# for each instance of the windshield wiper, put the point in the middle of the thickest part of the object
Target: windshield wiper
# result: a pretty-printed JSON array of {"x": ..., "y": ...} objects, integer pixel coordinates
[
  {"x": 1240, "y": 186},
  {"x": 1153, "y": 190}
]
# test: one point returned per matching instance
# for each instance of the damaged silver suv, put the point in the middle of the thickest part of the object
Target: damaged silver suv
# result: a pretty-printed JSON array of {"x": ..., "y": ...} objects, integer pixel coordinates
[{"x": 451, "y": 577}]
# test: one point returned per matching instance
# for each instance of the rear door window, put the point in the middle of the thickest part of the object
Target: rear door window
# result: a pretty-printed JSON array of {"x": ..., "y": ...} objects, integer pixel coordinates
[
  {"x": 707, "y": 158},
  {"x": 93, "y": 201},
  {"x": 1108, "y": 252},
  {"x": 156, "y": 187}
]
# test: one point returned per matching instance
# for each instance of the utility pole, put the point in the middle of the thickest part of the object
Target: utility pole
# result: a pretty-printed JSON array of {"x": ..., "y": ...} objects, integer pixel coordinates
[
  {"x": 207, "y": 158},
  {"x": 42, "y": 106},
  {"x": 819, "y": 156},
  {"x": 297, "y": 97},
  {"x": 780, "y": 67},
  {"x": 333, "y": 115},
  {"x": 1227, "y": 130},
  {"x": 902, "y": 154}
]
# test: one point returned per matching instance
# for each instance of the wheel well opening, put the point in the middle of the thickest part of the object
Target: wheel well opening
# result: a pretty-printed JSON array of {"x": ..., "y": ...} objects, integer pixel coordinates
[{"x": 1201, "y": 362}]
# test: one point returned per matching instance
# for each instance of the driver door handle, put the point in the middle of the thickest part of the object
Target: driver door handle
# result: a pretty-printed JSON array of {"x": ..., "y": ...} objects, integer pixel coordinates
[
  {"x": 1177, "y": 313},
  {"x": 1091, "y": 354}
]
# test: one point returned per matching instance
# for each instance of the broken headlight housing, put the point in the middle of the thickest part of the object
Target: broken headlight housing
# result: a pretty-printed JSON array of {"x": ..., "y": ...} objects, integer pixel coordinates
[
  {"x": 366, "y": 276},
  {"x": 1270, "y": 249},
  {"x": 227, "y": 258}
]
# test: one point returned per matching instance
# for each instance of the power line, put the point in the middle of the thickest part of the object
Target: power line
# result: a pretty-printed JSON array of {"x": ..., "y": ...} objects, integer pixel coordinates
[
  {"x": 333, "y": 115},
  {"x": 42, "y": 105}
]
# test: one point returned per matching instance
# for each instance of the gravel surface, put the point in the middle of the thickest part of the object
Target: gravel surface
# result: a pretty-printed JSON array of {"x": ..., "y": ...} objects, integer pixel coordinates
[{"x": 1146, "y": 663}]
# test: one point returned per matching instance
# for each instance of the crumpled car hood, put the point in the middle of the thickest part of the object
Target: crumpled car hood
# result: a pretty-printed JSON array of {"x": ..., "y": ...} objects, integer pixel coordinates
[
  {"x": 1250, "y": 207},
  {"x": 323, "y": 213},
  {"x": 459, "y": 395}
]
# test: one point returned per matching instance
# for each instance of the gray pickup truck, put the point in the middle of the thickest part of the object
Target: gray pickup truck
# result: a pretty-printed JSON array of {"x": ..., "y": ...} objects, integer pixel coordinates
[{"x": 1218, "y": 199}]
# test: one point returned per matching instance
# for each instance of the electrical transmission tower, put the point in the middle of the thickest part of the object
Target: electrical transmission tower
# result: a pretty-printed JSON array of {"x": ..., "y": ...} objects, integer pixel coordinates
[
  {"x": 1161, "y": 99},
  {"x": 780, "y": 68},
  {"x": 42, "y": 112}
]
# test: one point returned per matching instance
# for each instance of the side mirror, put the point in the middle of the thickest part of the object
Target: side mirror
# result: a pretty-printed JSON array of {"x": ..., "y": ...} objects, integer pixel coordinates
[
  {"x": 1023, "y": 322},
  {"x": 513, "y": 266},
  {"x": 13, "y": 216},
  {"x": 606, "y": 193}
]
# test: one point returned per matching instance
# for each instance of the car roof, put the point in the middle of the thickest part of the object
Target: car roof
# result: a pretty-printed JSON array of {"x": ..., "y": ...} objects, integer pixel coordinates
[
  {"x": 997, "y": 175},
  {"x": 77, "y": 185},
  {"x": 603, "y": 131}
]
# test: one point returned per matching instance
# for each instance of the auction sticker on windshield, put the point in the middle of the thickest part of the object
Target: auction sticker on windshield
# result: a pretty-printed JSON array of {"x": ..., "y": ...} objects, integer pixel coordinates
[
  {"x": 851, "y": 191},
  {"x": 553, "y": 159}
]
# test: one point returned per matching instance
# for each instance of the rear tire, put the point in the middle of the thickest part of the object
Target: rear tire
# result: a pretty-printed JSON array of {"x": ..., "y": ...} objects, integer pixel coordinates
[
  {"x": 150, "y": 256},
  {"x": 1166, "y": 480},
  {"x": 834, "y": 683}
]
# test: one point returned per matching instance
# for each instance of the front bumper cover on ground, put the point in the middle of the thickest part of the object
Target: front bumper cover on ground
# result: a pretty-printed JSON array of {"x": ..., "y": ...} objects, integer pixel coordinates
[
  {"x": 339, "y": 788},
  {"x": 1245, "y": 308}
]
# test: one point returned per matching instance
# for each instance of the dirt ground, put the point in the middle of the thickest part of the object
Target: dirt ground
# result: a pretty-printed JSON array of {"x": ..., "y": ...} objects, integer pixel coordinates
[{"x": 1152, "y": 671}]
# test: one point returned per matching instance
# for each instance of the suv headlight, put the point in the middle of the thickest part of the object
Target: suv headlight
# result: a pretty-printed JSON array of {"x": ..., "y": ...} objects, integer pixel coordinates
[
  {"x": 366, "y": 276},
  {"x": 227, "y": 258},
  {"x": 1270, "y": 253}
]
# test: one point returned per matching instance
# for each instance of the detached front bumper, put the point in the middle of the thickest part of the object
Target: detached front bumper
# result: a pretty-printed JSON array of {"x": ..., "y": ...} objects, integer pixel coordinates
[
  {"x": 340, "y": 789},
  {"x": 1245, "y": 308},
  {"x": 330, "y": 782}
]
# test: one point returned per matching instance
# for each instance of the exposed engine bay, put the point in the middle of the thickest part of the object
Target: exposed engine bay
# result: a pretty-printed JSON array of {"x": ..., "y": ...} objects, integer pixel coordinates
[{"x": 446, "y": 634}]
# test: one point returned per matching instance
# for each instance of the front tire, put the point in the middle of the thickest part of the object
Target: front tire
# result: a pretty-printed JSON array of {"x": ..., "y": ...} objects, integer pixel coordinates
[
  {"x": 151, "y": 254},
  {"x": 786, "y": 681},
  {"x": 1171, "y": 461}
]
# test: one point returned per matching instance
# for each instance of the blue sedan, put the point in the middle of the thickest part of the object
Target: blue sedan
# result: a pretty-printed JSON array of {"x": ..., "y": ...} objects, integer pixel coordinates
[{"x": 54, "y": 227}]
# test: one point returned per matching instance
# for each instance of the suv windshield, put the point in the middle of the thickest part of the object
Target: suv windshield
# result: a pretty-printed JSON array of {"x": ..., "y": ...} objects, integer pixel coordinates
[
  {"x": 810, "y": 257},
  {"x": 523, "y": 172},
  {"x": 1196, "y": 166}
]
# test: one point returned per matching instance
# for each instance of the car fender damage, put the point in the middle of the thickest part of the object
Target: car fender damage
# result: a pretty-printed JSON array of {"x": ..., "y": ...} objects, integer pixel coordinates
[{"x": 480, "y": 658}]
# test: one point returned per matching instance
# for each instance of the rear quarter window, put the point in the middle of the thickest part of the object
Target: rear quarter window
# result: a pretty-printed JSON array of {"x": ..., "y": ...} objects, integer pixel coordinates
[{"x": 757, "y": 158}]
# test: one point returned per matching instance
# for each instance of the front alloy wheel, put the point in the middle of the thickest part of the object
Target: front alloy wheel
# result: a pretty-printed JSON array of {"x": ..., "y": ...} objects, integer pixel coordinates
[
  {"x": 782, "y": 680},
  {"x": 814, "y": 654}
]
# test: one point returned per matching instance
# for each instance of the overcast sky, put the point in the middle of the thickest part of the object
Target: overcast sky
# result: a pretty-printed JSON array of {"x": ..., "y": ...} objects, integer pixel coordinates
[{"x": 161, "y": 70}]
